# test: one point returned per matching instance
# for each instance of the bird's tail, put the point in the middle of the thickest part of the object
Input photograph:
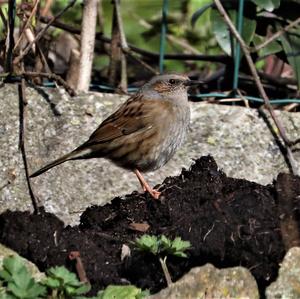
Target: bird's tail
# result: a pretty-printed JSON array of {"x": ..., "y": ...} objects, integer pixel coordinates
[{"x": 76, "y": 154}]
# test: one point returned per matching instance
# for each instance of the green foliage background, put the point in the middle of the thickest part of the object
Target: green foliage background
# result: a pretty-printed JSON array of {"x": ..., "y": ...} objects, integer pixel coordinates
[{"x": 200, "y": 37}]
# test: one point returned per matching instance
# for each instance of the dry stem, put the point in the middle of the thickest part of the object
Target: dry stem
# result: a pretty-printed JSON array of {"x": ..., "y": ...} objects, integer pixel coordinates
[
  {"x": 88, "y": 32},
  {"x": 259, "y": 85}
]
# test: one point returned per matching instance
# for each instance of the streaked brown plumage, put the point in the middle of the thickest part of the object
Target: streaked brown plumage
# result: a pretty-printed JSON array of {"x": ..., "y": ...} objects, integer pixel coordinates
[{"x": 144, "y": 133}]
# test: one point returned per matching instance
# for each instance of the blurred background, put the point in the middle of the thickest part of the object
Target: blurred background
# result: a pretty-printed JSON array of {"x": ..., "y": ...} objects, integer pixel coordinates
[{"x": 185, "y": 36}]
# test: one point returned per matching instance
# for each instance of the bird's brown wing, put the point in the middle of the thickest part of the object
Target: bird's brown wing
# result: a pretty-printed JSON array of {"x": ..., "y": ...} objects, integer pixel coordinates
[{"x": 134, "y": 116}]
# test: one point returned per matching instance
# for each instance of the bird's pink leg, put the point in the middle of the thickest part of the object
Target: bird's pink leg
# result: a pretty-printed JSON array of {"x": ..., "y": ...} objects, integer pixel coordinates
[{"x": 154, "y": 193}]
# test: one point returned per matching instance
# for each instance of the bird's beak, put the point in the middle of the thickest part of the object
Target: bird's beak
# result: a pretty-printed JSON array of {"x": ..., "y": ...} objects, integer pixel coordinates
[{"x": 192, "y": 82}]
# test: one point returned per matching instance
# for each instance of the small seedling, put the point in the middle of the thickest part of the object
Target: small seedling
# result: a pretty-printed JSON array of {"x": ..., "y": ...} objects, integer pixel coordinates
[
  {"x": 176, "y": 247},
  {"x": 147, "y": 243},
  {"x": 163, "y": 246},
  {"x": 64, "y": 284}
]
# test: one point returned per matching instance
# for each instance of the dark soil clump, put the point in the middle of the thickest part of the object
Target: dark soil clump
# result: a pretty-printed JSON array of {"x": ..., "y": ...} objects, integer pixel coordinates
[{"x": 230, "y": 222}]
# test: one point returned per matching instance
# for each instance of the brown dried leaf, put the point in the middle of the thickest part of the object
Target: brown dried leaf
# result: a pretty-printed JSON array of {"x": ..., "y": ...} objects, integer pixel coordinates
[{"x": 140, "y": 227}]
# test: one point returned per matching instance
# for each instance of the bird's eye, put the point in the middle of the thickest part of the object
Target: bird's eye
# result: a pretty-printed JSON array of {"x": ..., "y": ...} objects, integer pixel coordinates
[{"x": 172, "y": 81}]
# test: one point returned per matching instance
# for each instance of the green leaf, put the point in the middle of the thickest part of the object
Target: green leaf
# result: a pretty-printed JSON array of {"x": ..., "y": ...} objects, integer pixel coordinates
[
  {"x": 19, "y": 293},
  {"x": 20, "y": 283},
  {"x": 22, "y": 279},
  {"x": 221, "y": 31},
  {"x": 5, "y": 275},
  {"x": 268, "y": 5},
  {"x": 65, "y": 281},
  {"x": 121, "y": 292},
  {"x": 291, "y": 45},
  {"x": 31, "y": 292},
  {"x": 63, "y": 275},
  {"x": 179, "y": 245},
  {"x": 5, "y": 295},
  {"x": 147, "y": 243},
  {"x": 271, "y": 48},
  {"x": 197, "y": 14},
  {"x": 82, "y": 289},
  {"x": 11, "y": 265},
  {"x": 175, "y": 247},
  {"x": 143, "y": 294},
  {"x": 165, "y": 243},
  {"x": 180, "y": 254},
  {"x": 52, "y": 283}
]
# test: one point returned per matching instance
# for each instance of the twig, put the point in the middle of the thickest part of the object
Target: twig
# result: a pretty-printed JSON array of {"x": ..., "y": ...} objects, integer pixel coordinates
[
  {"x": 52, "y": 76},
  {"x": 75, "y": 255},
  {"x": 290, "y": 107},
  {"x": 100, "y": 16},
  {"x": 4, "y": 21},
  {"x": 208, "y": 232},
  {"x": 179, "y": 41},
  {"x": 295, "y": 141},
  {"x": 276, "y": 35},
  {"x": 40, "y": 34},
  {"x": 43, "y": 59},
  {"x": 145, "y": 53},
  {"x": 124, "y": 46},
  {"x": 10, "y": 37},
  {"x": 143, "y": 63},
  {"x": 115, "y": 53},
  {"x": 279, "y": 81},
  {"x": 258, "y": 83},
  {"x": 27, "y": 23},
  {"x": 23, "y": 104},
  {"x": 165, "y": 270},
  {"x": 87, "y": 43},
  {"x": 246, "y": 102},
  {"x": 46, "y": 7}
]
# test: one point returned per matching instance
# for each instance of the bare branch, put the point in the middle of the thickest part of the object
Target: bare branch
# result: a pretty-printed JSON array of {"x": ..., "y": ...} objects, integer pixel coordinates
[
  {"x": 52, "y": 76},
  {"x": 23, "y": 104},
  {"x": 88, "y": 32},
  {"x": 40, "y": 34},
  {"x": 259, "y": 85},
  {"x": 276, "y": 35},
  {"x": 124, "y": 46},
  {"x": 145, "y": 53},
  {"x": 27, "y": 24}
]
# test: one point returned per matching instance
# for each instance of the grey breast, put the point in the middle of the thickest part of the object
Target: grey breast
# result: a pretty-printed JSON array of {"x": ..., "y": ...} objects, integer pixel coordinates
[{"x": 174, "y": 136}]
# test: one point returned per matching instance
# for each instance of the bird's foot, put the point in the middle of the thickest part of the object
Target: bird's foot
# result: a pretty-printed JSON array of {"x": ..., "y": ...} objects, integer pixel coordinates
[{"x": 154, "y": 193}]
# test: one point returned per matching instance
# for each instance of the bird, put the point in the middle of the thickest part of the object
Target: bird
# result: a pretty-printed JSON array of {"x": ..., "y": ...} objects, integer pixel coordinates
[{"x": 144, "y": 132}]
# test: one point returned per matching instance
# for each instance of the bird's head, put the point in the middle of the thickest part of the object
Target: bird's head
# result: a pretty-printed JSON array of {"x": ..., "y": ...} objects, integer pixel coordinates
[{"x": 168, "y": 86}]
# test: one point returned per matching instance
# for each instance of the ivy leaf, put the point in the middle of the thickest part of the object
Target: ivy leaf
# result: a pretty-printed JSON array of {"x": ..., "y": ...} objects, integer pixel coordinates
[{"x": 222, "y": 33}]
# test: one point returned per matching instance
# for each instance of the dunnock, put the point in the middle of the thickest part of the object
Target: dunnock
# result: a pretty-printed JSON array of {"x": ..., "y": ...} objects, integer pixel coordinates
[{"x": 144, "y": 133}]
